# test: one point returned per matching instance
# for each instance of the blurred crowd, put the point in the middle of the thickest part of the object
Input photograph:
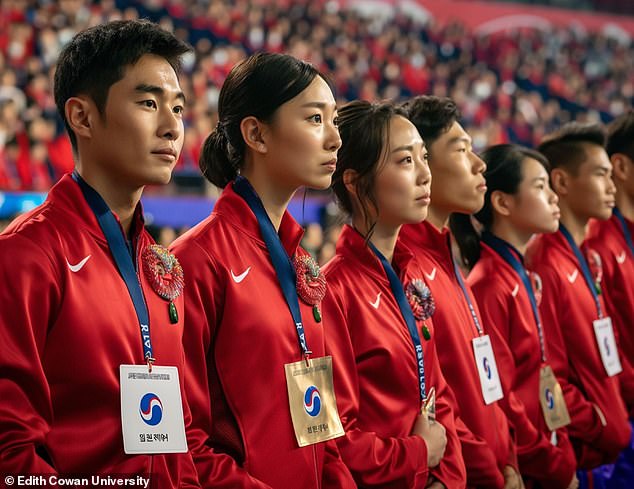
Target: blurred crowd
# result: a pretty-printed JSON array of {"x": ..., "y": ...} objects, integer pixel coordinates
[{"x": 511, "y": 86}]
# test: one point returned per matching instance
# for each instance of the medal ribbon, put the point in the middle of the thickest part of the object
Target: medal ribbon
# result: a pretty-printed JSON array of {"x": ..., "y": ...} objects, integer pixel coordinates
[
  {"x": 625, "y": 229},
  {"x": 585, "y": 269},
  {"x": 121, "y": 254},
  {"x": 282, "y": 264},
  {"x": 408, "y": 316},
  {"x": 509, "y": 254},
  {"x": 458, "y": 275}
]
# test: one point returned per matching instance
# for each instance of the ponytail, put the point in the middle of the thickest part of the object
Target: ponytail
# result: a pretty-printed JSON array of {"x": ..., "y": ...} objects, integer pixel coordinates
[
  {"x": 467, "y": 238},
  {"x": 215, "y": 162}
]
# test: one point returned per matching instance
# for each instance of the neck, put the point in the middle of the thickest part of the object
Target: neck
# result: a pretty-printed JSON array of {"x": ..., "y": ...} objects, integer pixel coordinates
[
  {"x": 275, "y": 198},
  {"x": 383, "y": 237},
  {"x": 625, "y": 204},
  {"x": 121, "y": 199},
  {"x": 439, "y": 218},
  {"x": 577, "y": 226},
  {"x": 519, "y": 239}
]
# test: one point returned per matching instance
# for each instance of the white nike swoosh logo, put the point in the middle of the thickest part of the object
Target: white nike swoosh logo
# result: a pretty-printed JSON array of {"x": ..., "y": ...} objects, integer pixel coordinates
[
  {"x": 375, "y": 304},
  {"x": 239, "y": 278},
  {"x": 573, "y": 276},
  {"x": 79, "y": 266},
  {"x": 621, "y": 258},
  {"x": 432, "y": 275},
  {"x": 515, "y": 290}
]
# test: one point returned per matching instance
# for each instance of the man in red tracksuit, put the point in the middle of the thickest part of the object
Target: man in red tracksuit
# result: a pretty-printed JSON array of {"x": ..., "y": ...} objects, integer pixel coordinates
[
  {"x": 458, "y": 186},
  {"x": 87, "y": 294},
  {"x": 612, "y": 239},
  {"x": 575, "y": 318}
]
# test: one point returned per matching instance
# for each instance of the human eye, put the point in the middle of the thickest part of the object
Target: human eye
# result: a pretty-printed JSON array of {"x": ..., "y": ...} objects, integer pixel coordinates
[
  {"x": 335, "y": 121},
  {"x": 179, "y": 109},
  {"x": 316, "y": 118},
  {"x": 149, "y": 103},
  {"x": 406, "y": 160}
]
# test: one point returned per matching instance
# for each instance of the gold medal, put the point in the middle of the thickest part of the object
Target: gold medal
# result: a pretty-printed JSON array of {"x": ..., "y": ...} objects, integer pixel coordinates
[
  {"x": 311, "y": 396},
  {"x": 552, "y": 400}
]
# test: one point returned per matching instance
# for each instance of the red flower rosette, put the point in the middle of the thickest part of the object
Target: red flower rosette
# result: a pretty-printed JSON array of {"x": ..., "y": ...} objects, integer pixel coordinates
[
  {"x": 420, "y": 299},
  {"x": 311, "y": 283},
  {"x": 595, "y": 264},
  {"x": 163, "y": 272}
]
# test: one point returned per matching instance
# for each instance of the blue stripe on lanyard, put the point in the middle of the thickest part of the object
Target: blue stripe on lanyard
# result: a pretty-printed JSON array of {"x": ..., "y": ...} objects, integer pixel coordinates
[
  {"x": 121, "y": 254},
  {"x": 458, "y": 275},
  {"x": 505, "y": 250},
  {"x": 408, "y": 316},
  {"x": 625, "y": 229},
  {"x": 585, "y": 269},
  {"x": 281, "y": 262}
]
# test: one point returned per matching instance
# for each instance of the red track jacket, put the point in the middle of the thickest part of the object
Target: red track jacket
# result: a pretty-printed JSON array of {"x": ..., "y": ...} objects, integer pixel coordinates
[
  {"x": 567, "y": 310},
  {"x": 376, "y": 378},
  {"x": 506, "y": 310},
  {"x": 63, "y": 335},
  {"x": 239, "y": 336},
  {"x": 484, "y": 432},
  {"x": 607, "y": 238}
]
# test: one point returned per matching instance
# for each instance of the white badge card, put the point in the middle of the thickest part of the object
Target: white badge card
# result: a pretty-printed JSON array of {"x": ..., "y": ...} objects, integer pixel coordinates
[
  {"x": 487, "y": 369},
  {"x": 607, "y": 346},
  {"x": 151, "y": 410}
]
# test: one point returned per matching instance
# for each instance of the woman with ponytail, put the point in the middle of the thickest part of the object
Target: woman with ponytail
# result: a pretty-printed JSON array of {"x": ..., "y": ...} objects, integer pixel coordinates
[
  {"x": 258, "y": 381},
  {"x": 518, "y": 204},
  {"x": 387, "y": 375}
]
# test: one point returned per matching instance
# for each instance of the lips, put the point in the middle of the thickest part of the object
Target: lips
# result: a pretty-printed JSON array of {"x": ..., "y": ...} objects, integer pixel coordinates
[{"x": 166, "y": 152}]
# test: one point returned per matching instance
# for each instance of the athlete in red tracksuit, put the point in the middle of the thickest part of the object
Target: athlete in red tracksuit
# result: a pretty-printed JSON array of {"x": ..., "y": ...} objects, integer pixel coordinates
[
  {"x": 67, "y": 324},
  {"x": 85, "y": 289},
  {"x": 376, "y": 380},
  {"x": 505, "y": 306},
  {"x": 240, "y": 332},
  {"x": 487, "y": 445}
]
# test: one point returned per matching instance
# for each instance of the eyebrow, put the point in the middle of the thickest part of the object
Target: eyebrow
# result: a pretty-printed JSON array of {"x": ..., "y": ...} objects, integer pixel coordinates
[
  {"x": 156, "y": 90},
  {"x": 459, "y": 139},
  {"x": 538, "y": 179},
  {"x": 406, "y": 147},
  {"x": 317, "y": 105}
]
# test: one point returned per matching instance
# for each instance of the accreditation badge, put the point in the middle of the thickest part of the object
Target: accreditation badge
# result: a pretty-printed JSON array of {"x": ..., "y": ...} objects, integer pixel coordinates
[
  {"x": 311, "y": 396},
  {"x": 607, "y": 346},
  {"x": 151, "y": 410},
  {"x": 551, "y": 398},
  {"x": 487, "y": 369},
  {"x": 429, "y": 405}
]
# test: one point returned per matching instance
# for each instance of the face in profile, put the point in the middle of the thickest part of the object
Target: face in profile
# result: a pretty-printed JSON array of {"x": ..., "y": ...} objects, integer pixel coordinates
[
  {"x": 458, "y": 183},
  {"x": 139, "y": 137},
  {"x": 591, "y": 192},
  {"x": 402, "y": 183},
  {"x": 302, "y": 139},
  {"x": 534, "y": 209}
]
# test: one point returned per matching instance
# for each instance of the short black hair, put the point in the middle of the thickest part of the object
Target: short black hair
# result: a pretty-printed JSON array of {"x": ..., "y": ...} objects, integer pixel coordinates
[
  {"x": 96, "y": 58},
  {"x": 621, "y": 135},
  {"x": 566, "y": 147},
  {"x": 433, "y": 116}
]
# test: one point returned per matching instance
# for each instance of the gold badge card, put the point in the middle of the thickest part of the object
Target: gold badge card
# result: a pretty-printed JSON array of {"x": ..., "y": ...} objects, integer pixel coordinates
[
  {"x": 311, "y": 396},
  {"x": 552, "y": 400}
]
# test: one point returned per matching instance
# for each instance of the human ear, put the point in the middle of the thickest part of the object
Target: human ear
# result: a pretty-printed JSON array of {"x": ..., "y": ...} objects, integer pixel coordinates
[
  {"x": 252, "y": 134},
  {"x": 560, "y": 181},
  {"x": 501, "y": 203},
  {"x": 79, "y": 116}
]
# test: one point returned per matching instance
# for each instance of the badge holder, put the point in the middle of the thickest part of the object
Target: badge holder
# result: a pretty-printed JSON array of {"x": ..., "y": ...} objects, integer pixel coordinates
[{"x": 552, "y": 400}]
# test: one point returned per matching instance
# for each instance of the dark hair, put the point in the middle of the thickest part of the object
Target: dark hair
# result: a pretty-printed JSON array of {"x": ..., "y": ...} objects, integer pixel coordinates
[
  {"x": 432, "y": 116},
  {"x": 565, "y": 148},
  {"x": 504, "y": 173},
  {"x": 364, "y": 129},
  {"x": 621, "y": 135},
  {"x": 96, "y": 58},
  {"x": 257, "y": 86}
]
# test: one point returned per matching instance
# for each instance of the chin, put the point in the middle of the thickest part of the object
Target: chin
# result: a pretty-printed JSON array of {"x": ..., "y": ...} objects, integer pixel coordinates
[{"x": 320, "y": 183}]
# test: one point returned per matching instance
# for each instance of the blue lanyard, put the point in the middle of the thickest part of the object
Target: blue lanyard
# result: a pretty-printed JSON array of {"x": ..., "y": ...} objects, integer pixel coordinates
[
  {"x": 121, "y": 254},
  {"x": 505, "y": 250},
  {"x": 281, "y": 262},
  {"x": 408, "y": 316},
  {"x": 585, "y": 269},
  {"x": 625, "y": 229},
  {"x": 458, "y": 275}
]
